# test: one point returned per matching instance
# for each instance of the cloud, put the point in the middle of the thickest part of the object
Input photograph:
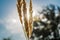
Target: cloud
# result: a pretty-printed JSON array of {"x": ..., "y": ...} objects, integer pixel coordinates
[{"x": 12, "y": 26}]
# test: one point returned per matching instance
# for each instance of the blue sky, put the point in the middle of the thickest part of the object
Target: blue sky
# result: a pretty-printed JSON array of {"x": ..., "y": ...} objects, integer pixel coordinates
[
  {"x": 5, "y": 6},
  {"x": 9, "y": 20}
]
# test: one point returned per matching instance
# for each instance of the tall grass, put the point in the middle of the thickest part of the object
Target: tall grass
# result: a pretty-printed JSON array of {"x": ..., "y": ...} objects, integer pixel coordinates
[{"x": 22, "y": 11}]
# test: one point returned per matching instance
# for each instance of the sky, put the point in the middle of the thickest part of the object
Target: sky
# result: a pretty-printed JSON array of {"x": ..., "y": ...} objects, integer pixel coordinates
[{"x": 10, "y": 25}]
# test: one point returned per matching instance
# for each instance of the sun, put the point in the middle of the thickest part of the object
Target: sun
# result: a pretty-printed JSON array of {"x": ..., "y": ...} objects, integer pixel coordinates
[{"x": 14, "y": 20}]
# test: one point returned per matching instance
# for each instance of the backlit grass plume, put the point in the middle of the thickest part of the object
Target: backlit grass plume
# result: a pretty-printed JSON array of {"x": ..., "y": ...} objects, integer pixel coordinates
[
  {"x": 19, "y": 6},
  {"x": 25, "y": 18},
  {"x": 30, "y": 18},
  {"x": 22, "y": 10}
]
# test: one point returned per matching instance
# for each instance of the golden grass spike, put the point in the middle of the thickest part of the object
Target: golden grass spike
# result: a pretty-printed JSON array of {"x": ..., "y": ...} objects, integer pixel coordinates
[
  {"x": 25, "y": 18},
  {"x": 30, "y": 18},
  {"x": 19, "y": 5}
]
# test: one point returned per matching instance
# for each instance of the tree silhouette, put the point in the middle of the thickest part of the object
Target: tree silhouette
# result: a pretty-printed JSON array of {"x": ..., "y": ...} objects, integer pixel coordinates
[
  {"x": 50, "y": 14},
  {"x": 7, "y": 39}
]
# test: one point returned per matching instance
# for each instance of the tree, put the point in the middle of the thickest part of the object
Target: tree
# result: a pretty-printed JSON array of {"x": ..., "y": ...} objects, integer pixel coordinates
[
  {"x": 7, "y": 39},
  {"x": 49, "y": 14}
]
